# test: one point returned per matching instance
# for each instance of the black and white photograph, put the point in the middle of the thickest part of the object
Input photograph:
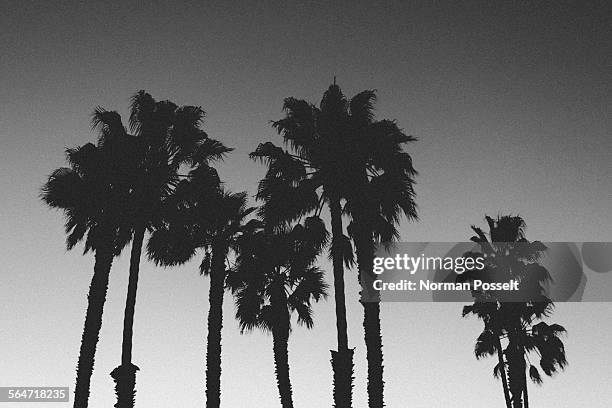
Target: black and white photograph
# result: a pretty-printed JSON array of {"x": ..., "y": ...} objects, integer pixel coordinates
[{"x": 291, "y": 204}]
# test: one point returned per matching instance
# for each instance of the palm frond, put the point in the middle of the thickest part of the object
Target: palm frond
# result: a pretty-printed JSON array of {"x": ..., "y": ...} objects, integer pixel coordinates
[
  {"x": 248, "y": 308},
  {"x": 362, "y": 106},
  {"x": 142, "y": 106},
  {"x": 170, "y": 247},
  {"x": 534, "y": 374},
  {"x": 209, "y": 150},
  {"x": 485, "y": 344},
  {"x": 497, "y": 370}
]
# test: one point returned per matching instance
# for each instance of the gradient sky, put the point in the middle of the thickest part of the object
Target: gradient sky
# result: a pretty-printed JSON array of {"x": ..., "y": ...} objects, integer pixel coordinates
[{"x": 511, "y": 105}]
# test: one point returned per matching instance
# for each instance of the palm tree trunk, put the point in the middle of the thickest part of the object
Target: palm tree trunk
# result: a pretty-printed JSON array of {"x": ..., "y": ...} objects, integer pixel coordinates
[
  {"x": 93, "y": 322},
  {"x": 525, "y": 396},
  {"x": 342, "y": 360},
  {"x": 342, "y": 366},
  {"x": 502, "y": 373},
  {"x": 280, "y": 338},
  {"x": 515, "y": 384},
  {"x": 516, "y": 372},
  {"x": 371, "y": 314},
  {"x": 373, "y": 339},
  {"x": 125, "y": 374},
  {"x": 125, "y": 384},
  {"x": 215, "y": 324}
]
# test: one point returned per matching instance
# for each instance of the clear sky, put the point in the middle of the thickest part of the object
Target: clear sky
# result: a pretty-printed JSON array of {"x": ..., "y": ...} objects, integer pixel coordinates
[{"x": 511, "y": 105}]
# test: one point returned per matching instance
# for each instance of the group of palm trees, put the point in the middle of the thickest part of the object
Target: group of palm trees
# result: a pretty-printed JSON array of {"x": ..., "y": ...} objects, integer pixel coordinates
[{"x": 155, "y": 178}]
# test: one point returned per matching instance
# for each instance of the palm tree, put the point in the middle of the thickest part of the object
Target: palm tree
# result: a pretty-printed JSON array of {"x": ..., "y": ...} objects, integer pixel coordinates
[
  {"x": 511, "y": 318},
  {"x": 369, "y": 169},
  {"x": 296, "y": 185},
  {"x": 207, "y": 217},
  {"x": 274, "y": 275},
  {"x": 167, "y": 137},
  {"x": 338, "y": 150},
  {"x": 381, "y": 191},
  {"x": 91, "y": 194}
]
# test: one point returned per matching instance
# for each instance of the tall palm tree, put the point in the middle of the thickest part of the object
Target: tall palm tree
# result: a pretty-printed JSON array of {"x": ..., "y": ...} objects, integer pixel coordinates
[
  {"x": 274, "y": 275},
  {"x": 296, "y": 185},
  {"x": 381, "y": 192},
  {"x": 206, "y": 217},
  {"x": 340, "y": 151},
  {"x": 167, "y": 137},
  {"x": 92, "y": 195},
  {"x": 511, "y": 318}
]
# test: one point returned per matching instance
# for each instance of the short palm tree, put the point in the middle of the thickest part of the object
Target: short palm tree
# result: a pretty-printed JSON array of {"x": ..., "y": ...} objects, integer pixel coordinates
[
  {"x": 203, "y": 216},
  {"x": 274, "y": 276},
  {"x": 511, "y": 318},
  {"x": 166, "y": 137},
  {"x": 91, "y": 194}
]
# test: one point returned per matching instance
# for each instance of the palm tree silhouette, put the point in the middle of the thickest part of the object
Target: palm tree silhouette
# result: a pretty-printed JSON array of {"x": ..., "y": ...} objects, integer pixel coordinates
[
  {"x": 298, "y": 184},
  {"x": 274, "y": 275},
  {"x": 377, "y": 180},
  {"x": 338, "y": 152},
  {"x": 93, "y": 195},
  {"x": 207, "y": 217},
  {"x": 167, "y": 137},
  {"x": 511, "y": 317}
]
